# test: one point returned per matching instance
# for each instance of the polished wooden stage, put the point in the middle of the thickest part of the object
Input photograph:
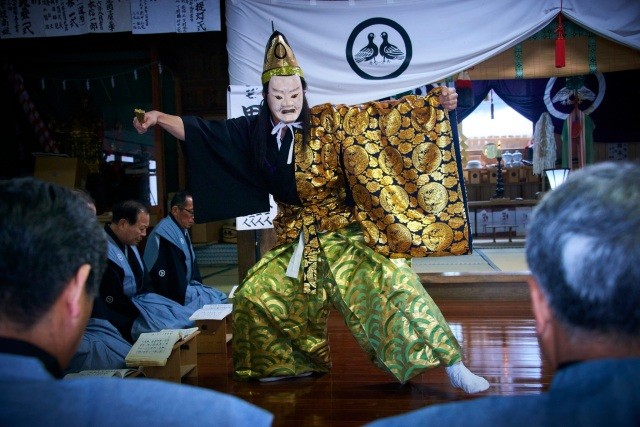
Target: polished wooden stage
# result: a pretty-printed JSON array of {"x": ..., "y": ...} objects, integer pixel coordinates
[{"x": 495, "y": 329}]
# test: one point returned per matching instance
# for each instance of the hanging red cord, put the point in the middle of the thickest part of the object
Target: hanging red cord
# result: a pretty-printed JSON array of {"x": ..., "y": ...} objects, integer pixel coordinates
[{"x": 560, "y": 50}]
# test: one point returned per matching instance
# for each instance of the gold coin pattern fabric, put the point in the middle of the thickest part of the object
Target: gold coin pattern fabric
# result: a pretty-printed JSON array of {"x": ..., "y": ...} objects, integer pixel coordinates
[
  {"x": 280, "y": 331},
  {"x": 401, "y": 167}
]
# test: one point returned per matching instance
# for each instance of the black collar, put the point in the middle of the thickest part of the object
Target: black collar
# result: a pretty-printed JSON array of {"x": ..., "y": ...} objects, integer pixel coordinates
[
  {"x": 569, "y": 363},
  {"x": 109, "y": 231}
]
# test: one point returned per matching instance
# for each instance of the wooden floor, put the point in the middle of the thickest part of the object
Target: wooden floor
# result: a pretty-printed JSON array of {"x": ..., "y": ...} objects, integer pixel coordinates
[{"x": 498, "y": 341}]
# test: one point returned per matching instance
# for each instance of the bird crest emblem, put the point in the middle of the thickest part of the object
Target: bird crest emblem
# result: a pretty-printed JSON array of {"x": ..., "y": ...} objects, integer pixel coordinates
[
  {"x": 386, "y": 50},
  {"x": 379, "y": 48},
  {"x": 584, "y": 93}
]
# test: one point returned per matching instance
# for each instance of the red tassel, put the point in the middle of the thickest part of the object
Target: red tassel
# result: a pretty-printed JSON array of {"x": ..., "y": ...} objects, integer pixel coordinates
[
  {"x": 560, "y": 51},
  {"x": 463, "y": 84}
]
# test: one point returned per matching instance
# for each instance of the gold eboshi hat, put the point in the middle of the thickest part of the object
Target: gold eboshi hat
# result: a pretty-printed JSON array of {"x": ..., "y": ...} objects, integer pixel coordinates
[{"x": 279, "y": 59}]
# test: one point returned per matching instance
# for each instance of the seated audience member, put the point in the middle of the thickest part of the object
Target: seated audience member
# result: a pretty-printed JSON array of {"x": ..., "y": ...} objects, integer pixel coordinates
[
  {"x": 583, "y": 248},
  {"x": 102, "y": 346},
  {"x": 170, "y": 259},
  {"x": 125, "y": 275},
  {"x": 126, "y": 297},
  {"x": 52, "y": 255}
]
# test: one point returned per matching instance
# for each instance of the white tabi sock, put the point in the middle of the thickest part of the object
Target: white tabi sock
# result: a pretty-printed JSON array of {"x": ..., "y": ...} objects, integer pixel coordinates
[{"x": 463, "y": 378}]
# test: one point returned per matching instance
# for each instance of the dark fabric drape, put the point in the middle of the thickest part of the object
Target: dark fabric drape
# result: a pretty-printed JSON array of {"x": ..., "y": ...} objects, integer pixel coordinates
[
  {"x": 524, "y": 96},
  {"x": 615, "y": 118}
]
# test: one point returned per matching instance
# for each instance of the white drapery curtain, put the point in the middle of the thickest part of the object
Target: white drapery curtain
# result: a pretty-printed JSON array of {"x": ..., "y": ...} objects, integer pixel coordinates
[{"x": 445, "y": 37}]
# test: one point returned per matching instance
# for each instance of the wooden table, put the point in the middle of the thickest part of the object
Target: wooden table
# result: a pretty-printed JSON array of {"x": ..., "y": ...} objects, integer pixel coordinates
[
  {"x": 509, "y": 229},
  {"x": 497, "y": 203}
]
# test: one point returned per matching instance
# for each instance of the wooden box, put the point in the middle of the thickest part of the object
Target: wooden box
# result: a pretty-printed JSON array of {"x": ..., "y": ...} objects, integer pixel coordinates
[
  {"x": 465, "y": 175},
  {"x": 474, "y": 176},
  {"x": 213, "y": 336},
  {"x": 65, "y": 171},
  {"x": 512, "y": 175},
  {"x": 524, "y": 173},
  {"x": 182, "y": 364},
  {"x": 493, "y": 176},
  {"x": 531, "y": 177},
  {"x": 484, "y": 176},
  {"x": 209, "y": 232}
]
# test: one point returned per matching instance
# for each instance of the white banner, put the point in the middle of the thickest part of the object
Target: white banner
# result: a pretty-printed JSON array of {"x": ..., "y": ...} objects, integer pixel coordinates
[
  {"x": 63, "y": 18},
  {"x": 174, "y": 16},
  {"x": 245, "y": 101},
  {"x": 260, "y": 220},
  {"x": 52, "y": 18},
  {"x": 411, "y": 42},
  {"x": 360, "y": 50}
]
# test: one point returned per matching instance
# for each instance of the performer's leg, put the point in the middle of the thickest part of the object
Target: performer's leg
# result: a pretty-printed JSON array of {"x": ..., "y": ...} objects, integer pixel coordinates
[
  {"x": 278, "y": 331},
  {"x": 390, "y": 313}
]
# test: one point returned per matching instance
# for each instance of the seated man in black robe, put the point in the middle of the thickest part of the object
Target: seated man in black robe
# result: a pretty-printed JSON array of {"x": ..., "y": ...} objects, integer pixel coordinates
[
  {"x": 124, "y": 276},
  {"x": 170, "y": 259}
]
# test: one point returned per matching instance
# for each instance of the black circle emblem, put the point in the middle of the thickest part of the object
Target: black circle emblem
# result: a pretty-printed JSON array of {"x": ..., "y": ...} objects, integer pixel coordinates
[
  {"x": 562, "y": 95},
  {"x": 379, "y": 49}
]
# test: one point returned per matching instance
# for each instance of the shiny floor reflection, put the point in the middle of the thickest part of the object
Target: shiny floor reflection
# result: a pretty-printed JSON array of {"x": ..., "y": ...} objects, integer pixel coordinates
[{"x": 498, "y": 340}]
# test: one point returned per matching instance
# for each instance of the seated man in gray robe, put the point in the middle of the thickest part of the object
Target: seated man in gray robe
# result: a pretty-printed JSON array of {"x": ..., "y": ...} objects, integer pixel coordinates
[{"x": 170, "y": 259}]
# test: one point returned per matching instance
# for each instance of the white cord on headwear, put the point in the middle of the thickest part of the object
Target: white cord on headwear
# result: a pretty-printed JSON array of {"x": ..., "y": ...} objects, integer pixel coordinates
[{"x": 276, "y": 130}]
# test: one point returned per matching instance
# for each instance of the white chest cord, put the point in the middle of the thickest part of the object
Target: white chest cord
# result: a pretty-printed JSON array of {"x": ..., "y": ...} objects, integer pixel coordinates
[{"x": 276, "y": 131}]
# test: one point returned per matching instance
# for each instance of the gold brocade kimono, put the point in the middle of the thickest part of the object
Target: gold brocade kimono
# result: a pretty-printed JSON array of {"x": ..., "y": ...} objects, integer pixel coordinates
[{"x": 397, "y": 160}]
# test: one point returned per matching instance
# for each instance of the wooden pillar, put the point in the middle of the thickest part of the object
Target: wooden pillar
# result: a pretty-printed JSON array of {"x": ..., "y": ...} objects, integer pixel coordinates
[
  {"x": 252, "y": 245},
  {"x": 158, "y": 133},
  {"x": 182, "y": 169}
]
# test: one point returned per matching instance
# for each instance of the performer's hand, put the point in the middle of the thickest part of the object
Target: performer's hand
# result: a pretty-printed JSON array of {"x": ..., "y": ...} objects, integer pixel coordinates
[
  {"x": 150, "y": 119},
  {"x": 449, "y": 98}
]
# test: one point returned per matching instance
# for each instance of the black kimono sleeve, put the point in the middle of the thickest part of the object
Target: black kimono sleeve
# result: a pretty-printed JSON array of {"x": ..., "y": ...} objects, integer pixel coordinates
[{"x": 222, "y": 173}]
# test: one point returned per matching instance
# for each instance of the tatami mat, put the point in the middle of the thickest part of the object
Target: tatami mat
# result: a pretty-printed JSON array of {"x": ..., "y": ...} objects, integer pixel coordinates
[
  {"x": 462, "y": 263},
  {"x": 506, "y": 259},
  {"x": 221, "y": 277},
  {"x": 486, "y": 257},
  {"x": 482, "y": 260}
]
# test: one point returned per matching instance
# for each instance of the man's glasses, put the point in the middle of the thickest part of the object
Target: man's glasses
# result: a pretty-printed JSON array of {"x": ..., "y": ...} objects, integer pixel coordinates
[{"x": 189, "y": 211}]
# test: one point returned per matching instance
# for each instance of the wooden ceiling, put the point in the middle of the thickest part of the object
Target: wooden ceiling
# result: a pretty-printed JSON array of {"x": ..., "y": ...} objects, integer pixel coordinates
[{"x": 536, "y": 59}]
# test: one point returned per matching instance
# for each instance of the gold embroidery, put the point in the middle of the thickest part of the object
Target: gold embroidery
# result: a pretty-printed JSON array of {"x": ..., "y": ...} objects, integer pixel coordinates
[
  {"x": 432, "y": 197},
  {"x": 401, "y": 169},
  {"x": 414, "y": 205},
  {"x": 427, "y": 157}
]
